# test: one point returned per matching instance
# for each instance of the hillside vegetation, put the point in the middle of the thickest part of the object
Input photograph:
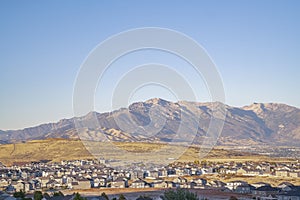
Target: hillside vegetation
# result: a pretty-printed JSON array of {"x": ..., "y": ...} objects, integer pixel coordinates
[{"x": 62, "y": 149}]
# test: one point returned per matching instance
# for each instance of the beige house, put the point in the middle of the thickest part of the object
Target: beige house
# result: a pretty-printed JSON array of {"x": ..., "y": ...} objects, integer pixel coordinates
[
  {"x": 294, "y": 174},
  {"x": 119, "y": 183},
  {"x": 282, "y": 173}
]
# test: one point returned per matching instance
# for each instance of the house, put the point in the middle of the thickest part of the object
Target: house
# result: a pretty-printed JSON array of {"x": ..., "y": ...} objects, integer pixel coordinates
[
  {"x": 3, "y": 183},
  {"x": 74, "y": 185},
  {"x": 198, "y": 183},
  {"x": 222, "y": 170},
  {"x": 99, "y": 182},
  {"x": 264, "y": 191},
  {"x": 180, "y": 180},
  {"x": 241, "y": 171},
  {"x": 244, "y": 189},
  {"x": 163, "y": 173},
  {"x": 185, "y": 185},
  {"x": 27, "y": 186},
  {"x": 286, "y": 186},
  {"x": 290, "y": 195},
  {"x": 158, "y": 184},
  {"x": 179, "y": 172},
  {"x": 260, "y": 184},
  {"x": 52, "y": 184},
  {"x": 18, "y": 186},
  {"x": 23, "y": 175},
  {"x": 232, "y": 185},
  {"x": 153, "y": 174},
  {"x": 44, "y": 181},
  {"x": 119, "y": 183},
  {"x": 282, "y": 173},
  {"x": 138, "y": 184},
  {"x": 136, "y": 175},
  {"x": 230, "y": 171},
  {"x": 170, "y": 184},
  {"x": 81, "y": 183},
  {"x": 84, "y": 183},
  {"x": 294, "y": 174},
  {"x": 217, "y": 184}
]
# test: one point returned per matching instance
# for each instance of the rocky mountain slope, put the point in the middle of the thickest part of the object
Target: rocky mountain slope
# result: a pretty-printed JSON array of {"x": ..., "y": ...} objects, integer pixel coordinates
[{"x": 157, "y": 120}]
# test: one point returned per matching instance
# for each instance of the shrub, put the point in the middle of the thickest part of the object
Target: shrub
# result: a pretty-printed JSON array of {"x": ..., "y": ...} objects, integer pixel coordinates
[
  {"x": 37, "y": 195},
  {"x": 20, "y": 194},
  {"x": 104, "y": 195}
]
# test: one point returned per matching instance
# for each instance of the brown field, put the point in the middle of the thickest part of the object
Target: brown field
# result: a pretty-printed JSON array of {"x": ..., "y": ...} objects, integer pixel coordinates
[{"x": 60, "y": 149}]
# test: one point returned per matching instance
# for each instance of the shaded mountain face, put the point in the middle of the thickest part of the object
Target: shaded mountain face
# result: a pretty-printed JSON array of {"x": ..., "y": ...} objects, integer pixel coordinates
[{"x": 157, "y": 120}]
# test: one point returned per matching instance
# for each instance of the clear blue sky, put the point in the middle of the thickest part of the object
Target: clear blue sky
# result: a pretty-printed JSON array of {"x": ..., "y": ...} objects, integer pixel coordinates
[{"x": 255, "y": 45}]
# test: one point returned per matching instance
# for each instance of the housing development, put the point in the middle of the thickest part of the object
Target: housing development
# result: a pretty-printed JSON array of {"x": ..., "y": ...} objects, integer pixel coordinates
[{"x": 211, "y": 180}]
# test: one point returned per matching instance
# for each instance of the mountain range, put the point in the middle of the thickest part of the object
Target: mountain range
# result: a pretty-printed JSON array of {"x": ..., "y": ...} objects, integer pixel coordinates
[{"x": 158, "y": 120}]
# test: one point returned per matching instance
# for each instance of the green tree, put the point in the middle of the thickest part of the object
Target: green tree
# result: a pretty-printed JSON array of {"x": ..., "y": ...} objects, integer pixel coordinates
[
  {"x": 37, "y": 195},
  {"x": 179, "y": 194},
  {"x": 122, "y": 197},
  {"x": 104, "y": 195},
  {"x": 19, "y": 194},
  {"x": 78, "y": 197},
  {"x": 233, "y": 198}
]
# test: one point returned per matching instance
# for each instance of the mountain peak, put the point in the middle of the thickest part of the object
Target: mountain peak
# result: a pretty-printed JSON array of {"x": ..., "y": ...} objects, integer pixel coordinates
[
  {"x": 157, "y": 101},
  {"x": 255, "y": 107},
  {"x": 261, "y": 107}
]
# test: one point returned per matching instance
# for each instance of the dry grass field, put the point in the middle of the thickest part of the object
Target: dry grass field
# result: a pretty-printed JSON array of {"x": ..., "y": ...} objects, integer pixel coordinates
[
  {"x": 61, "y": 149},
  {"x": 52, "y": 149}
]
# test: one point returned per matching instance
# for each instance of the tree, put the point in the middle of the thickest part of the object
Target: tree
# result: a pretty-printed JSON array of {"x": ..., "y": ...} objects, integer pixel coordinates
[
  {"x": 104, "y": 195},
  {"x": 78, "y": 197},
  {"x": 179, "y": 194},
  {"x": 233, "y": 198},
  {"x": 37, "y": 195},
  {"x": 122, "y": 197},
  {"x": 19, "y": 194}
]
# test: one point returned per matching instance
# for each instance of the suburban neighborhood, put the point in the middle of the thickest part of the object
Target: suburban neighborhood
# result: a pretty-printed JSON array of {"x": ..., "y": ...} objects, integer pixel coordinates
[{"x": 85, "y": 175}]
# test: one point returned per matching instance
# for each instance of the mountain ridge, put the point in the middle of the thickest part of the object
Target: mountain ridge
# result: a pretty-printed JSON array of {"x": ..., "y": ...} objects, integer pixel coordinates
[{"x": 158, "y": 120}]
